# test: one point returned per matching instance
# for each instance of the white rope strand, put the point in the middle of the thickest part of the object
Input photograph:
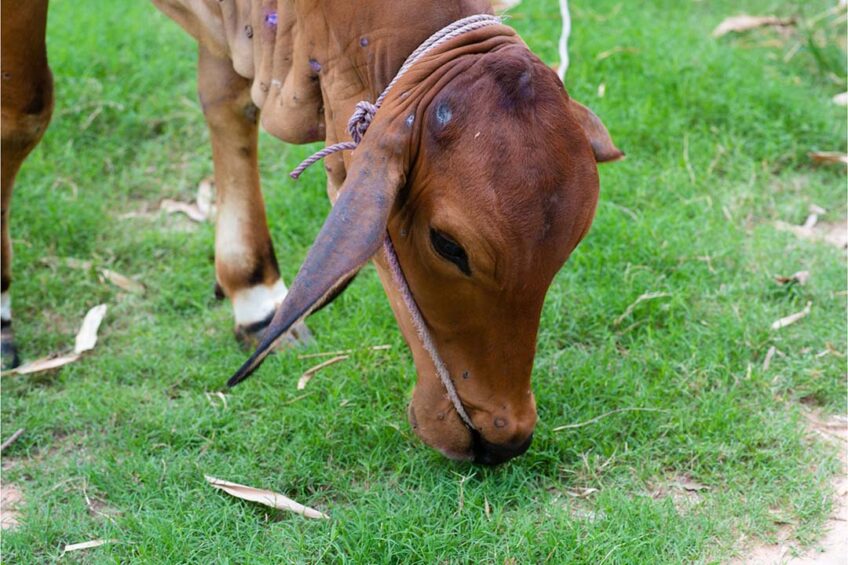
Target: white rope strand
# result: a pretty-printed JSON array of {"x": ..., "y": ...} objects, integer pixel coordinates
[
  {"x": 422, "y": 330},
  {"x": 563, "y": 39}
]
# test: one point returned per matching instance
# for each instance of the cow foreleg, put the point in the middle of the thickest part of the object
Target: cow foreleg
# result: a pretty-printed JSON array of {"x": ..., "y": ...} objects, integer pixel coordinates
[
  {"x": 27, "y": 104},
  {"x": 245, "y": 265}
]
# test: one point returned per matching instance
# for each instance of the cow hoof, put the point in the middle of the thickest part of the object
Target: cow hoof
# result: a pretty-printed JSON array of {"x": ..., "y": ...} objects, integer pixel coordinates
[
  {"x": 250, "y": 335},
  {"x": 9, "y": 350}
]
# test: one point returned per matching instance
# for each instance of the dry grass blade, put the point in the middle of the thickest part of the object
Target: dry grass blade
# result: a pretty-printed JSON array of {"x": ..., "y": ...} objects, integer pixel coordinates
[
  {"x": 610, "y": 52},
  {"x": 343, "y": 352},
  {"x": 604, "y": 415},
  {"x": 744, "y": 22},
  {"x": 123, "y": 282},
  {"x": 176, "y": 207},
  {"x": 12, "y": 439},
  {"x": 642, "y": 298},
  {"x": 792, "y": 318},
  {"x": 769, "y": 356},
  {"x": 219, "y": 395},
  {"x": 687, "y": 483},
  {"x": 266, "y": 497},
  {"x": 325, "y": 354},
  {"x": 87, "y": 544},
  {"x": 828, "y": 157},
  {"x": 581, "y": 492},
  {"x": 309, "y": 373},
  {"x": 85, "y": 340},
  {"x": 78, "y": 264}
]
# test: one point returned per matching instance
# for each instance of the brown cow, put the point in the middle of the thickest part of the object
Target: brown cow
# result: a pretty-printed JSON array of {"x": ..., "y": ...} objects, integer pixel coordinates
[{"x": 478, "y": 165}]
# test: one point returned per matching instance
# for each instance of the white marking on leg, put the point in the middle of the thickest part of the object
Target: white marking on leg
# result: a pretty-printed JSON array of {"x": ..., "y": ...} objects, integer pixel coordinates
[
  {"x": 254, "y": 304},
  {"x": 6, "y": 306}
]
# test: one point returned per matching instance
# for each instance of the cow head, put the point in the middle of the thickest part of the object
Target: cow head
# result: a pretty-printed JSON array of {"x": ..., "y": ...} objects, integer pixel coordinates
[{"x": 486, "y": 183}]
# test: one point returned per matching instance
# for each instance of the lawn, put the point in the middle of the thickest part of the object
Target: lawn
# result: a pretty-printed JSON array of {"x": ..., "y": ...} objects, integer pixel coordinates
[{"x": 717, "y": 455}]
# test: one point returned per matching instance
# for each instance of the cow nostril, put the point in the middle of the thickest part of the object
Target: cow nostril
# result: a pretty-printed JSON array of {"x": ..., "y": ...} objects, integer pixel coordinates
[{"x": 486, "y": 453}]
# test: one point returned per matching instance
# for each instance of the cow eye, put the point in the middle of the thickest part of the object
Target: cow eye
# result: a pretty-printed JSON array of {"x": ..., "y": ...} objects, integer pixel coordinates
[{"x": 450, "y": 250}]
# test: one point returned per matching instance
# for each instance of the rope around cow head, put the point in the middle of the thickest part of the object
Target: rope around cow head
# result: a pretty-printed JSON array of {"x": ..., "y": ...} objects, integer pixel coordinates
[{"x": 358, "y": 124}]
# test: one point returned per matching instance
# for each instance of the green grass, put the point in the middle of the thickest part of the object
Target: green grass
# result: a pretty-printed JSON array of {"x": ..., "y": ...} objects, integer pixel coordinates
[{"x": 716, "y": 133}]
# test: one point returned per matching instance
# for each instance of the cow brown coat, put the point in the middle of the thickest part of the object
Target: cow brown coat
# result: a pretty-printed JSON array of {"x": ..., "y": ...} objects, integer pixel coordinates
[{"x": 478, "y": 143}]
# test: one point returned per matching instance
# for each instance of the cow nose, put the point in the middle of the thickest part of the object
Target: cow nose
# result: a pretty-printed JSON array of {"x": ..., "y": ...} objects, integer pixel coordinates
[{"x": 486, "y": 453}]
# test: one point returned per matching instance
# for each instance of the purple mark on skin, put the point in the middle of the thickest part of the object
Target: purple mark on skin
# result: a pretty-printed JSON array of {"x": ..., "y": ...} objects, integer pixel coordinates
[
  {"x": 315, "y": 66},
  {"x": 363, "y": 42},
  {"x": 271, "y": 19}
]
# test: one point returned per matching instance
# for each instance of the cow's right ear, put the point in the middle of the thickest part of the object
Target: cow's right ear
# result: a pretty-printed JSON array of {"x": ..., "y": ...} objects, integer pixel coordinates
[
  {"x": 602, "y": 145},
  {"x": 352, "y": 233}
]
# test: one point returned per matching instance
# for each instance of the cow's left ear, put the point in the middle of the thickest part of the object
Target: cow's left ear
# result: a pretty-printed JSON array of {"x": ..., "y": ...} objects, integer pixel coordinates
[{"x": 605, "y": 150}]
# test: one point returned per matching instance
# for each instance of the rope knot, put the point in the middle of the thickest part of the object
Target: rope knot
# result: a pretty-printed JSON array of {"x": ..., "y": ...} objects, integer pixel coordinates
[
  {"x": 361, "y": 119},
  {"x": 364, "y": 113}
]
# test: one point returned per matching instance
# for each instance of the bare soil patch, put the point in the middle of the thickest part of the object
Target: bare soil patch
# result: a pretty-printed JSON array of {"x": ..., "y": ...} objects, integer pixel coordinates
[
  {"x": 832, "y": 549},
  {"x": 11, "y": 498}
]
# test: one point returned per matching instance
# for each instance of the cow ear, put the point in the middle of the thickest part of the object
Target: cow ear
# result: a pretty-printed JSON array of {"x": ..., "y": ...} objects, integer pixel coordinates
[
  {"x": 605, "y": 150},
  {"x": 352, "y": 233}
]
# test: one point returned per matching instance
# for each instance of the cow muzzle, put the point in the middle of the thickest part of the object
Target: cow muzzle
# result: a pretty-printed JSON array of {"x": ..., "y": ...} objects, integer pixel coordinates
[
  {"x": 486, "y": 453},
  {"x": 498, "y": 435}
]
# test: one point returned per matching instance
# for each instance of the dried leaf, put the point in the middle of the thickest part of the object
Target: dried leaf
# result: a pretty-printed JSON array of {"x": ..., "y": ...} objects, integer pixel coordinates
[
  {"x": 813, "y": 217},
  {"x": 266, "y": 497},
  {"x": 642, "y": 298},
  {"x": 309, "y": 373},
  {"x": 828, "y": 157},
  {"x": 176, "y": 207},
  {"x": 791, "y": 319},
  {"x": 801, "y": 277},
  {"x": 744, "y": 22},
  {"x": 44, "y": 364},
  {"x": 87, "y": 336},
  {"x": 87, "y": 544},
  {"x": 833, "y": 233},
  {"x": 206, "y": 197},
  {"x": 123, "y": 282},
  {"x": 85, "y": 340}
]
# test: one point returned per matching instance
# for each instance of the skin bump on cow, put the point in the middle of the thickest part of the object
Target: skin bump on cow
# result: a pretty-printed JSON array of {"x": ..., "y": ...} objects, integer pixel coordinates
[{"x": 474, "y": 182}]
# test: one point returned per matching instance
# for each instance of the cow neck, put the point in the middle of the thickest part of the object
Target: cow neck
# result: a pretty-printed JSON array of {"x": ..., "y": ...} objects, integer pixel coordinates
[{"x": 358, "y": 124}]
